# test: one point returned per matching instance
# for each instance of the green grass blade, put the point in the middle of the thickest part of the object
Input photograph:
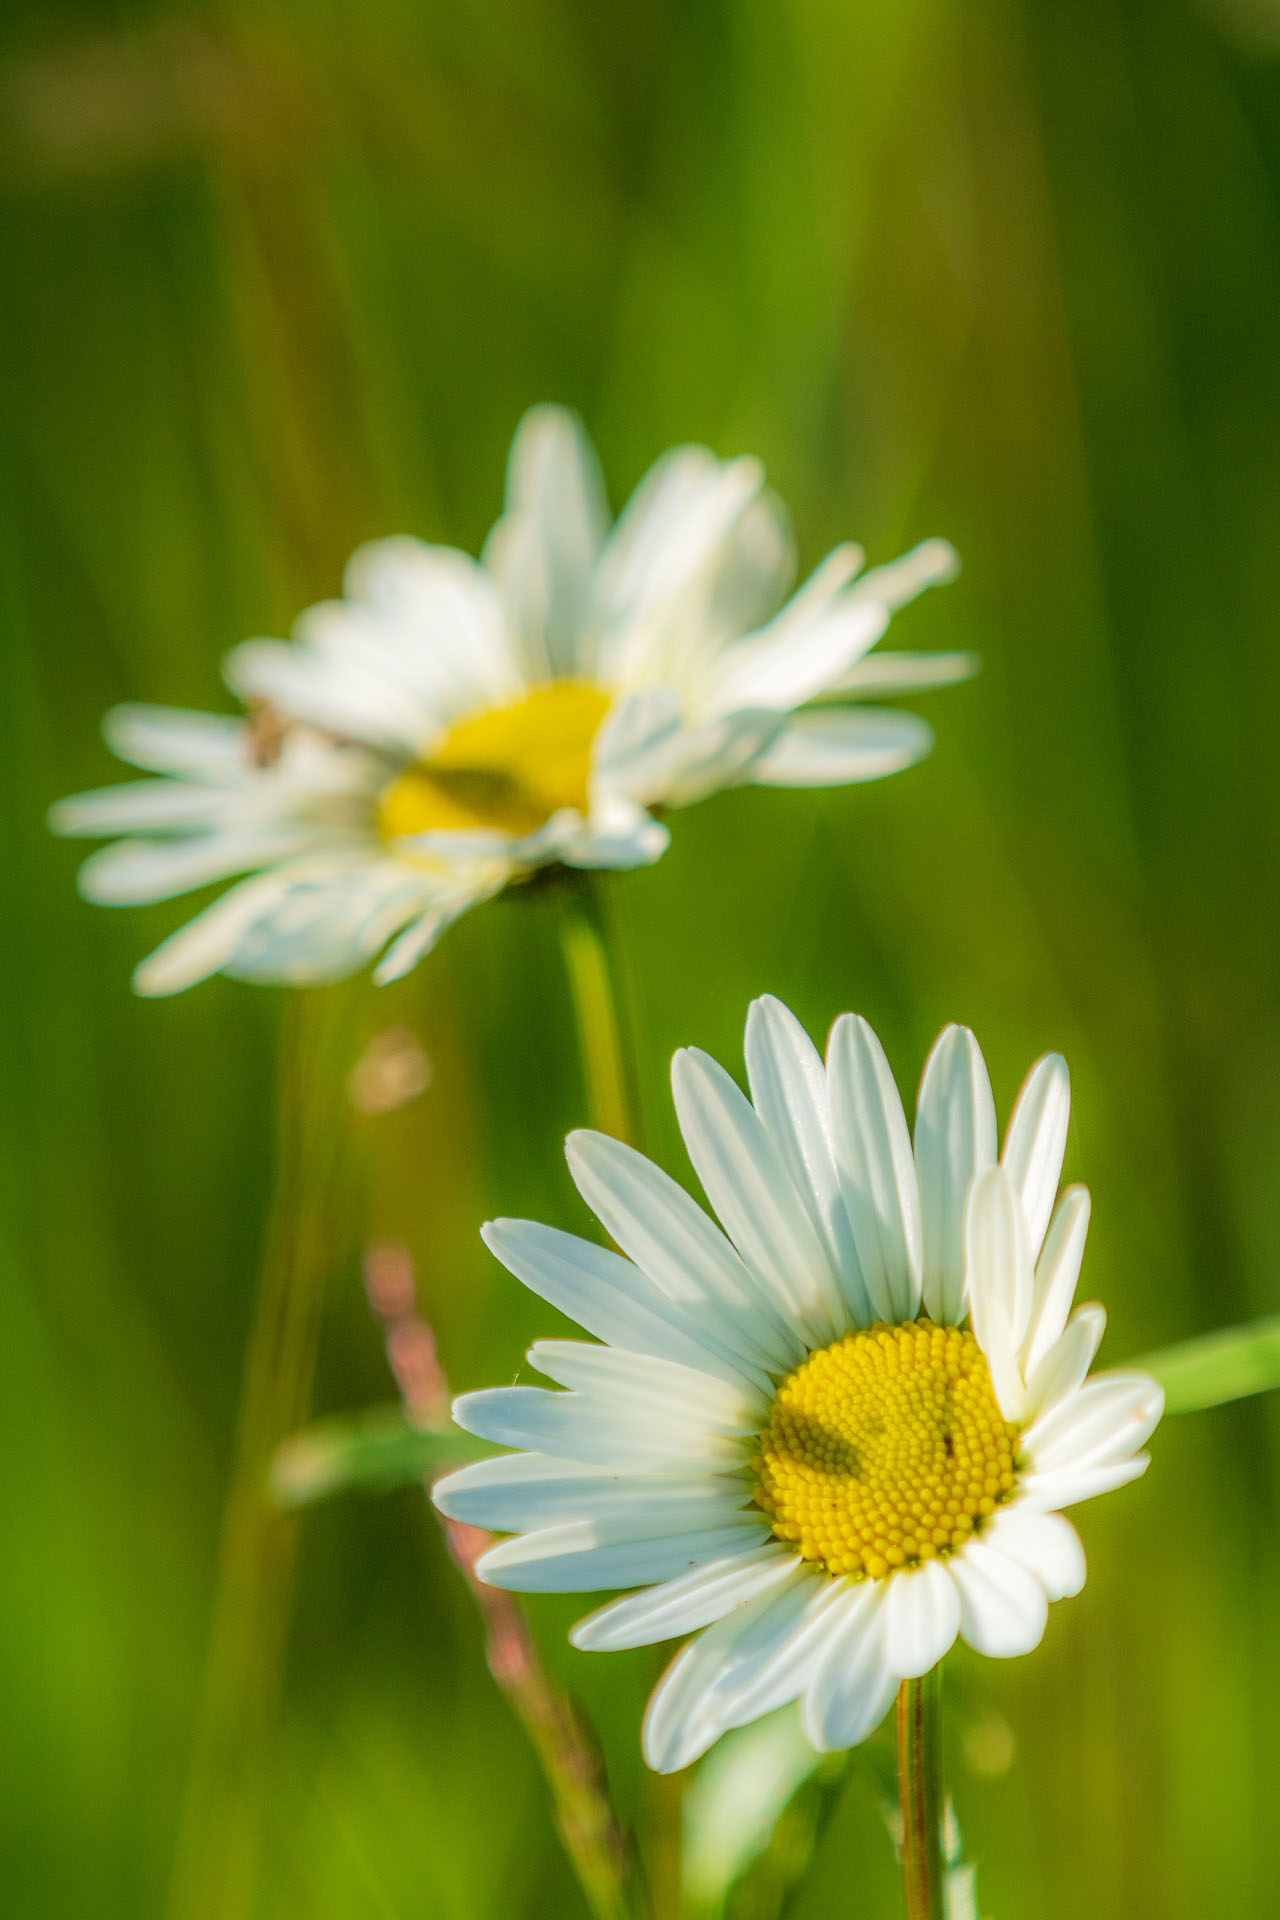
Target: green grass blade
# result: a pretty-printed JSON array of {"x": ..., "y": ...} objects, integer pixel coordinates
[
  {"x": 374, "y": 1451},
  {"x": 1218, "y": 1366}
]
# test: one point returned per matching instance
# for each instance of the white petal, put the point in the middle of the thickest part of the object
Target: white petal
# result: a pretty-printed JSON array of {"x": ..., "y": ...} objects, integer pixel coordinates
[
  {"x": 671, "y": 533},
  {"x": 677, "y": 1729},
  {"x": 1036, "y": 1142},
  {"x": 998, "y": 1280},
  {"x": 723, "y": 752},
  {"x": 821, "y": 606},
  {"x": 544, "y": 549},
  {"x": 930, "y": 564},
  {"x": 1067, "y": 1486},
  {"x": 877, "y": 1168},
  {"x": 1003, "y": 1608},
  {"x": 611, "y": 1373},
  {"x": 681, "y": 1720},
  {"x": 746, "y": 1182},
  {"x": 348, "y": 701},
  {"x": 209, "y": 746},
  {"x": 145, "y": 806},
  {"x": 684, "y": 1604},
  {"x": 576, "y": 1427},
  {"x": 1108, "y": 1418},
  {"x": 836, "y": 749},
  {"x": 588, "y": 1556},
  {"x": 422, "y": 934},
  {"x": 955, "y": 1138},
  {"x": 333, "y": 915},
  {"x": 440, "y": 635},
  {"x": 632, "y": 754},
  {"x": 452, "y": 847},
  {"x": 619, "y": 834},
  {"x": 789, "y": 1089},
  {"x": 525, "y": 1492},
  {"x": 755, "y": 567},
  {"x": 1057, "y": 1272},
  {"x": 684, "y": 1254},
  {"x": 814, "y": 598},
  {"x": 780, "y": 1665},
  {"x": 1068, "y": 1360},
  {"x": 132, "y": 873},
  {"x": 206, "y": 943},
  {"x": 867, "y": 1695},
  {"x": 1044, "y": 1543},
  {"x": 849, "y": 1693},
  {"x": 921, "y": 1619},
  {"x": 887, "y": 672},
  {"x": 786, "y": 664},
  {"x": 609, "y": 1296}
]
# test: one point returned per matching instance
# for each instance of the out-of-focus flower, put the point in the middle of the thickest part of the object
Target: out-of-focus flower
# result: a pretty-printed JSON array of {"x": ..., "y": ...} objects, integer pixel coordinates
[
  {"x": 452, "y": 724},
  {"x": 324, "y": 894},
  {"x": 791, "y": 1442}
]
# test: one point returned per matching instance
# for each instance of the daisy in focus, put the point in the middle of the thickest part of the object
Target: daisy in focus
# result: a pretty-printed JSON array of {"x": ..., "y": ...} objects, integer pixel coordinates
[
  {"x": 451, "y": 725},
  {"x": 832, "y": 1433}
]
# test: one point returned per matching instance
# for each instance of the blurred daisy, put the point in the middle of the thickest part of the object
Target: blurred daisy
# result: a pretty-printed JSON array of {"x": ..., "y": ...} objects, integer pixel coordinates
[
  {"x": 791, "y": 1441},
  {"x": 451, "y": 725}
]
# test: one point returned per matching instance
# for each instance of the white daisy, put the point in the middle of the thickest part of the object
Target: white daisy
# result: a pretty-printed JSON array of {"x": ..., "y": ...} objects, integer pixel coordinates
[
  {"x": 325, "y": 894},
  {"x": 452, "y": 724},
  {"x": 790, "y": 1441}
]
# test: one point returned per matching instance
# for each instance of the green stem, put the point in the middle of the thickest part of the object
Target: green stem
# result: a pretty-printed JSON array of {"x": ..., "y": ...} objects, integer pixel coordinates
[
  {"x": 920, "y": 1793},
  {"x": 216, "y": 1865},
  {"x": 595, "y": 1007}
]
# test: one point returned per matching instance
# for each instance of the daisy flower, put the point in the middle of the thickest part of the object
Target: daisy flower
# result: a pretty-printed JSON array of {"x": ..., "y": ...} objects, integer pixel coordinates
[
  {"x": 836, "y": 1431},
  {"x": 450, "y": 724}
]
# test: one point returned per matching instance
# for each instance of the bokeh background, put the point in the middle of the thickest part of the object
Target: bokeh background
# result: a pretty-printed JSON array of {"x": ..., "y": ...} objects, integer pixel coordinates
[{"x": 281, "y": 277}]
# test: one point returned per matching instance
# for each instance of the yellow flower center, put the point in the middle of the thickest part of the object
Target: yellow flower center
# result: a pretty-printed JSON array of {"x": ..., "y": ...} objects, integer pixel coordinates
[
  {"x": 510, "y": 768},
  {"x": 885, "y": 1449}
]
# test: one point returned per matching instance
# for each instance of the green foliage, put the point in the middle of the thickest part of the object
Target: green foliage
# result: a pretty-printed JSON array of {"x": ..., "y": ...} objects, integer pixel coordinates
[
  {"x": 279, "y": 278},
  {"x": 374, "y": 1451},
  {"x": 1218, "y": 1367},
  {"x": 736, "y": 1812}
]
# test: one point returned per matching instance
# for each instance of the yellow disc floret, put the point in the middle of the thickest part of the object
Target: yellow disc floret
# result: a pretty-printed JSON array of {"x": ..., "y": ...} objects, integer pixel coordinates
[
  {"x": 508, "y": 768},
  {"x": 885, "y": 1449}
]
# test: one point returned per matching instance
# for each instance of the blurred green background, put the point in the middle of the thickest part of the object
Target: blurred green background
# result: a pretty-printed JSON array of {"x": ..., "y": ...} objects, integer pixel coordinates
[{"x": 281, "y": 277}]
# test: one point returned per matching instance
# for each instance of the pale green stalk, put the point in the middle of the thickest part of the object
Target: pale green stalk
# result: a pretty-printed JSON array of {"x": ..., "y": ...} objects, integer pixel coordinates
[
  {"x": 920, "y": 1794},
  {"x": 1216, "y": 1367},
  {"x": 215, "y": 1870},
  {"x": 588, "y": 963}
]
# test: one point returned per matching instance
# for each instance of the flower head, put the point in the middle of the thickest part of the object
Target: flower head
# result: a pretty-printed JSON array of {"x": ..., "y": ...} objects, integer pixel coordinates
[
  {"x": 450, "y": 724},
  {"x": 833, "y": 1433}
]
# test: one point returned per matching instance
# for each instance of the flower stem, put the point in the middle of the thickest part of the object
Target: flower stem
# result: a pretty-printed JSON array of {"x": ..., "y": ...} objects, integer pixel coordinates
[
  {"x": 216, "y": 1865},
  {"x": 920, "y": 1792},
  {"x": 570, "y": 1763},
  {"x": 592, "y": 987}
]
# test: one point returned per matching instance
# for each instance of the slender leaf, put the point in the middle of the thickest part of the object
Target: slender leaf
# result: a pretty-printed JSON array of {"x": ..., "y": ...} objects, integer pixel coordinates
[
  {"x": 376, "y": 1451},
  {"x": 737, "y": 1815},
  {"x": 1218, "y": 1366}
]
